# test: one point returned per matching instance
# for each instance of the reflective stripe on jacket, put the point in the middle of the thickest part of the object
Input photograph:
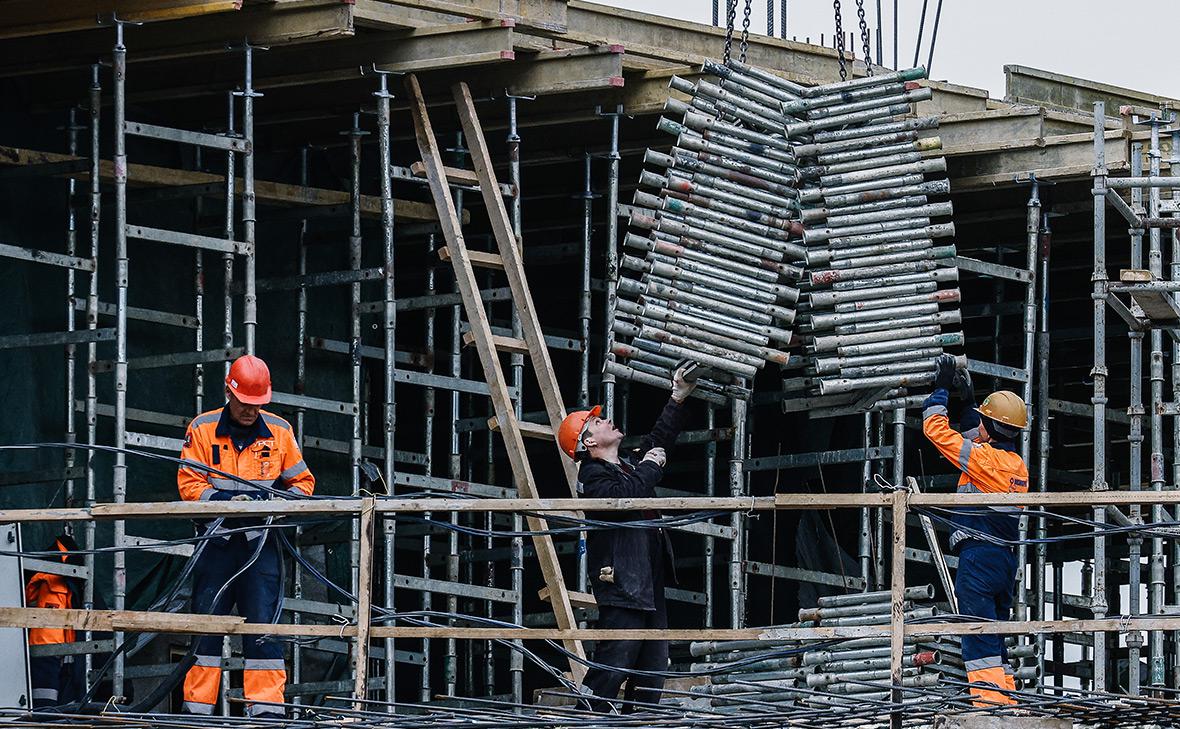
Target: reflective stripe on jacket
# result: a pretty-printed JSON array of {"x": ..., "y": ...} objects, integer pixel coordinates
[{"x": 274, "y": 456}]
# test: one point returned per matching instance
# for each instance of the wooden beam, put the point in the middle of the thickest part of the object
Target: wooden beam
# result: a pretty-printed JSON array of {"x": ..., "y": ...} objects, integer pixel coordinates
[
  {"x": 460, "y": 45},
  {"x": 37, "y": 17},
  {"x": 360, "y": 663},
  {"x": 191, "y": 624},
  {"x": 269, "y": 24},
  {"x": 189, "y": 510},
  {"x": 274, "y": 193}
]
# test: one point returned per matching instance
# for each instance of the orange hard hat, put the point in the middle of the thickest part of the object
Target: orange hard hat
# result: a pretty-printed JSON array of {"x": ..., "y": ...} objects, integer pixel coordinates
[
  {"x": 569, "y": 433},
  {"x": 249, "y": 380}
]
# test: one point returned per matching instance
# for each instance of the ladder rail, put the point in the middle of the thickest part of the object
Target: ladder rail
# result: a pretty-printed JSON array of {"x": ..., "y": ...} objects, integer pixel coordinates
[
  {"x": 489, "y": 358},
  {"x": 513, "y": 262}
]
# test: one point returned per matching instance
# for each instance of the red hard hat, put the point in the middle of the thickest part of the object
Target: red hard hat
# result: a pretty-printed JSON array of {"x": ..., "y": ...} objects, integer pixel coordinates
[
  {"x": 569, "y": 433},
  {"x": 249, "y": 380}
]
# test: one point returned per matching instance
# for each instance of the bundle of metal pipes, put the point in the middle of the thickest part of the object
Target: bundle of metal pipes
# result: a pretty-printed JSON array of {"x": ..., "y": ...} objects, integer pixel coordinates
[
  {"x": 786, "y": 671},
  {"x": 880, "y": 297},
  {"x": 784, "y": 208}
]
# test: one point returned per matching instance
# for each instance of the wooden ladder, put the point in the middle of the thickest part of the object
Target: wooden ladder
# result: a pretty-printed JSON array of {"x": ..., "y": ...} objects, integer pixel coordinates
[{"x": 489, "y": 346}]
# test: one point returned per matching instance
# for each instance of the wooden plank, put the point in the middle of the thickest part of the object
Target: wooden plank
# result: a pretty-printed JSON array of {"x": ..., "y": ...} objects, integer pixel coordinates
[
  {"x": 477, "y": 316},
  {"x": 508, "y": 246},
  {"x": 479, "y": 259},
  {"x": 511, "y": 345},
  {"x": 276, "y": 193},
  {"x": 37, "y": 17},
  {"x": 364, "y": 616}
]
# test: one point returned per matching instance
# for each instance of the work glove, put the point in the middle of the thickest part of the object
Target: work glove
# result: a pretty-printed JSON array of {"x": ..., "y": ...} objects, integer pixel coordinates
[
  {"x": 656, "y": 456},
  {"x": 944, "y": 372},
  {"x": 242, "y": 497},
  {"x": 681, "y": 388},
  {"x": 964, "y": 389}
]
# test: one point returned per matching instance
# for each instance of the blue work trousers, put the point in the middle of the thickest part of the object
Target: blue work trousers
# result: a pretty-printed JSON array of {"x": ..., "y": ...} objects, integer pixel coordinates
[{"x": 983, "y": 585}]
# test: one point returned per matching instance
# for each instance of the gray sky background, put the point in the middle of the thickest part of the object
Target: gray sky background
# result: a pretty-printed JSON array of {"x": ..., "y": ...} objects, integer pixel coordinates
[{"x": 976, "y": 38}]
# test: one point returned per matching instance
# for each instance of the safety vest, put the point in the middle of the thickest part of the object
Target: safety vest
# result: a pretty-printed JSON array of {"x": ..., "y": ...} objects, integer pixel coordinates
[
  {"x": 46, "y": 590},
  {"x": 985, "y": 469},
  {"x": 272, "y": 460}
]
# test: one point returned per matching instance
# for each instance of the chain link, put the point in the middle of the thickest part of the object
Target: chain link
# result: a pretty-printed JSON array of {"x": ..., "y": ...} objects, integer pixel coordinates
[
  {"x": 745, "y": 32},
  {"x": 730, "y": 15},
  {"x": 840, "y": 41},
  {"x": 864, "y": 36}
]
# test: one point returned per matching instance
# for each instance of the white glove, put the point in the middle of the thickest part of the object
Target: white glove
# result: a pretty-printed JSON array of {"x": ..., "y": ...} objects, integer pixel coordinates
[
  {"x": 241, "y": 497},
  {"x": 681, "y": 389},
  {"x": 656, "y": 456}
]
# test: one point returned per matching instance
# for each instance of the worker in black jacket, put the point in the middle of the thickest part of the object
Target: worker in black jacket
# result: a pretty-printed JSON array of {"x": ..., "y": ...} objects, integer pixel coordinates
[{"x": 626, "y": 564}]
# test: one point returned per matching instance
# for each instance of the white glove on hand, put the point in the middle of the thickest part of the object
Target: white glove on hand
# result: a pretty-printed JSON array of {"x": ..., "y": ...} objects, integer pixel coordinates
[
  {"x": 241, "y": 497},
  {"x": 656, "y": 456},
  {"x": 681, "y": 389}
]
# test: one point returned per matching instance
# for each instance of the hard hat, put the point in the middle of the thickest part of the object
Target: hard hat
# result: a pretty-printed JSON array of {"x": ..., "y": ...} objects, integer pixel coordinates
[
  {"x": 249, "y": 380},
  {"x": 569, "y": 433},
  {"x": 1005, "y": 407}
]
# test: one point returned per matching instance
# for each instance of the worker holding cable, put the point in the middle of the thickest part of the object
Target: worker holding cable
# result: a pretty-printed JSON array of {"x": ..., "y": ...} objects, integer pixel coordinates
[
  {"x": 984, "y": 537},
  {"x": 240, "y": 566},
  {"x": 626, "y": 565}
]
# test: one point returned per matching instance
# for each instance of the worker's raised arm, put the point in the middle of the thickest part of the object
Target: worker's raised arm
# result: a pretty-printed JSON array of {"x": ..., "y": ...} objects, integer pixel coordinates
[{"x": 936, "y": 426}]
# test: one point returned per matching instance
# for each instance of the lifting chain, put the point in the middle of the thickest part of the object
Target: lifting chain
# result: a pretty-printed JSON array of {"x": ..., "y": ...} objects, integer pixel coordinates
[
  {"x": 840, "y": 41},
  {"x": 745, "y": 32},
  {"x": 864, "y": 36},
  {"x": 730, "y": 15}
]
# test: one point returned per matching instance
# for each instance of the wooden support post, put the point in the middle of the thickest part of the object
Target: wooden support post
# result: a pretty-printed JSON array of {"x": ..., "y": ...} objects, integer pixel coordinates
[
  {"x": 364, "y": 602},
  {"x": 898, "y": 500}
]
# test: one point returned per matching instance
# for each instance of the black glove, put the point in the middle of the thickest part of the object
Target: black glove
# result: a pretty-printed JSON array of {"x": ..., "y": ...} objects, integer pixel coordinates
[
  {"x": 944, "y": 371},
  {"x": 964, "y": 389}
]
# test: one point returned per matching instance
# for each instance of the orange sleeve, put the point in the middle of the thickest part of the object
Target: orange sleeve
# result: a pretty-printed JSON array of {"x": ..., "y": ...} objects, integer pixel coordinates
[
  {"x": 949, "y": 442},
  {"x": 193, "y": 483},
  {"x": 296, "y": 475},
  {"x": 39, "y": 593}
]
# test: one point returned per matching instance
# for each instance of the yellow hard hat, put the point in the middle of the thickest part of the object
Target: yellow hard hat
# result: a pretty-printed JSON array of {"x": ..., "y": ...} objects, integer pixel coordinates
[{"x": 1005, "y": 407}]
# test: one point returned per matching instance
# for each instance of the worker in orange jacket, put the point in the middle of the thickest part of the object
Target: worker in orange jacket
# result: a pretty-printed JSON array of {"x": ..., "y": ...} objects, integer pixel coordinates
[
  {"x": 56, "y": 679},
  {"x": 260, "y": 449},
  {"x": 983, "y": 537}
]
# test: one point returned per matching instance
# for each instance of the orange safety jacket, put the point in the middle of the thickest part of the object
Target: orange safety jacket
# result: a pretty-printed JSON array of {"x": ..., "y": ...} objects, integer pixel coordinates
[
  {"x": 46, "y": 590},
  {"x": 272, "y": 460},
  {"x": 985, "y": 468}
]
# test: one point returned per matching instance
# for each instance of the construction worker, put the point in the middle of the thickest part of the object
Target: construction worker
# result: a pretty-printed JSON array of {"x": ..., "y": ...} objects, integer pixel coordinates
[
  {"x": 626, "y": 565},
  {"x": 56, "y": 679},
  {"x": 258, "y": 447},
  {"x": 983, "y": 537}
]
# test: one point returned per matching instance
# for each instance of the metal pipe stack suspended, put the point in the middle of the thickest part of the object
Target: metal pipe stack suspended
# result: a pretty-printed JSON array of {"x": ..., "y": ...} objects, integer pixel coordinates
[{"x": 797, "y": 226}]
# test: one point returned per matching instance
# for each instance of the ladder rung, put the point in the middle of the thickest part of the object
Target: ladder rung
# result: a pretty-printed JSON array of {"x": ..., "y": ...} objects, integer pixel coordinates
[
  {"x": 511, "y": 345},
  {"x": 479, "y": 259},
  {"x": 184, "y": 136},
  {"x": 527, "y": 429},
  {"x": 577, "y": 599},
  {"x": 457, "y": 176}
]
